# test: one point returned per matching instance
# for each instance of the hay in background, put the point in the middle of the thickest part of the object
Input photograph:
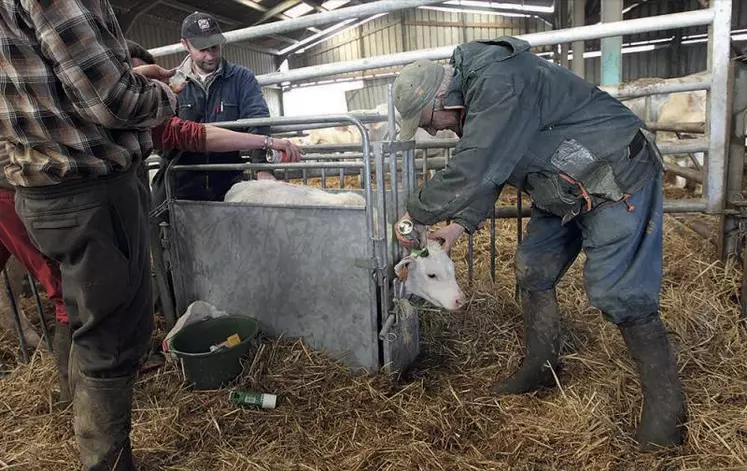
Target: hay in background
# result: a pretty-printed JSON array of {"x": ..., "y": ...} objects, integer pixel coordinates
[{"x": 439, "y": 415}]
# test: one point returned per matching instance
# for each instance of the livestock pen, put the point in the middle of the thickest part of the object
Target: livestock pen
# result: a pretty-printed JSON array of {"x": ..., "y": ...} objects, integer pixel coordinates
[{"x": 437, "y": 415}]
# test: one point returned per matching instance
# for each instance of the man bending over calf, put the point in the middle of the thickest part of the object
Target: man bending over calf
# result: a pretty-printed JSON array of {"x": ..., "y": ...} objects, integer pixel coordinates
[{"x": 594, "y": 175}]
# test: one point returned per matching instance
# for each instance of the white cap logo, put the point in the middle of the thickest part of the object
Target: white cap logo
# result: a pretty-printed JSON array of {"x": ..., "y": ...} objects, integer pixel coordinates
[{"x": 203, "y": 24}]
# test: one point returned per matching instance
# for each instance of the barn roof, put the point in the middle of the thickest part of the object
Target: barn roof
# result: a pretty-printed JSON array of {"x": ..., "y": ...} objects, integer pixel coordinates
[{"x": 235, "y": 14}]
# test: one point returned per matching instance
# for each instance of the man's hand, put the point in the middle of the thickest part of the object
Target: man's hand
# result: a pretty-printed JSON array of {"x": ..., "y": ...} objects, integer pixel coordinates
[
  {"x": 154, "y": 72},
  {"x": 401, "y": 238},
  {"x": 448, "y": 234},
  {"x": 292, "y": 151}
]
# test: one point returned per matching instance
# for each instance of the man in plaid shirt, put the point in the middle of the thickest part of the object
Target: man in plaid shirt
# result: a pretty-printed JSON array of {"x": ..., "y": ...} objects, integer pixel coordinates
[{"x": 77, "y": 122}]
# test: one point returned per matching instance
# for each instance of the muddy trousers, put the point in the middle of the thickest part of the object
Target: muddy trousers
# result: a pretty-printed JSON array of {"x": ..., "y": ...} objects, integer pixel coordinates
[
  {"x": 622, "y": 277},
  {"x": 97, "y": 230}
]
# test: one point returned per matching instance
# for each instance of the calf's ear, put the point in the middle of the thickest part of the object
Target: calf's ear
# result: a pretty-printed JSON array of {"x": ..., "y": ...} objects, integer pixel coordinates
[{"x": 402, "y": 269}]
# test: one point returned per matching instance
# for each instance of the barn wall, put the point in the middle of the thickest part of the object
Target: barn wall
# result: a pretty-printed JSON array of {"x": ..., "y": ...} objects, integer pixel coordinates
[
  {"x": 373, "y": 93},
  {"x": 411, "y": 30}
]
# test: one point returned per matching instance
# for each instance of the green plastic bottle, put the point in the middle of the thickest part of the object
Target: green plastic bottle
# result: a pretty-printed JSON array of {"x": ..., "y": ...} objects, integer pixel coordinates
[{"x": 247, "y": 398}]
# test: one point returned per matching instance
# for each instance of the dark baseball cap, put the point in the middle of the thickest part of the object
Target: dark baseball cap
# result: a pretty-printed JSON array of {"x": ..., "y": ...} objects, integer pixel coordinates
[{"x": 202, "y": 31}]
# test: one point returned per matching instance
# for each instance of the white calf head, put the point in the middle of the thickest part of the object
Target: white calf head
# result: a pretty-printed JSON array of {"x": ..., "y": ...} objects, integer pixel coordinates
[{"x": 432, "y": 278}]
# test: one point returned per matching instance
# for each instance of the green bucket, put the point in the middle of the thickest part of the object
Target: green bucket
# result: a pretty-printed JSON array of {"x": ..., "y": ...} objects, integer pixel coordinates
[{"x": 212, "y": 370}]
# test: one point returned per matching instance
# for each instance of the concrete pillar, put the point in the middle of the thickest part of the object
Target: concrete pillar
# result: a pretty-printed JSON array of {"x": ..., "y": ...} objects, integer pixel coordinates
[
  {"x": 611, "y": 47},
  {"x": 579, "y": 17}
]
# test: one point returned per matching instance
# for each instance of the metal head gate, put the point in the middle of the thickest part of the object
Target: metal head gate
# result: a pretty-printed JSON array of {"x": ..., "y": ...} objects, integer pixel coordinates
[{"x": 322, "y": 273}]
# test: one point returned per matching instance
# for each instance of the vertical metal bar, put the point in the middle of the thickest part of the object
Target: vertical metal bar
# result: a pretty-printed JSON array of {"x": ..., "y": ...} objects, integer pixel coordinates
[
  {"x": 381, "y": 198},
  {"x": 405, "y": 176},
  {"x": 562, "y": 6},
  {"x": 611, "y": 47},
  {"x": 40, "y": 312},
  {"x": 381, "y": 236},
  {"x": 519, "y": 233},
  {"x": 394, "y": 211},
  {"x": 305, "y": 176},
  {"x": 519, "y": 219},
  {"x": 324, "y": 178},
  {"x": 492, "y": 245},
  {"x": 16, "y": 317},
  {"x": 412, "y": 171},
  {"x": 391, "y": 111},
  {"x": 470, "y": 258},
  {"x": 578, "y": 64},
  {"x": 719, "y": 38},
  {"x": 342, "y": 178},
  {"x": 425, "y": 166}
]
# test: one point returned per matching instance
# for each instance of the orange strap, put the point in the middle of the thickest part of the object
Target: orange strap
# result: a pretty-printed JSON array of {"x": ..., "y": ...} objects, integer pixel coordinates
[
  {"x": 630, "y": 207},
  {"x": 587, "y": 198},
  {"x": 584, "y": 193}
]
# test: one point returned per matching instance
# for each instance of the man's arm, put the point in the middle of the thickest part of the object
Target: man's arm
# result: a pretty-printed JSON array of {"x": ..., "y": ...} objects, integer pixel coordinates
[
  {"x": 497, "y": 132},
  {"x": 189, "y": 136},
  {"x": 92, "y": 65},
  {"x": 177, "y": 133}
]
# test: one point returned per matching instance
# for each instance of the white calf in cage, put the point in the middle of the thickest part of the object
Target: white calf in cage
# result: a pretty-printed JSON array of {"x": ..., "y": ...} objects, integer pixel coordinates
[{"x": 432, "y": 278}]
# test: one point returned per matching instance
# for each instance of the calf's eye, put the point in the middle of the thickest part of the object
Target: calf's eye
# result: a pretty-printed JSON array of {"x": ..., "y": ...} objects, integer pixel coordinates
[{"x": 431, "y": 275}]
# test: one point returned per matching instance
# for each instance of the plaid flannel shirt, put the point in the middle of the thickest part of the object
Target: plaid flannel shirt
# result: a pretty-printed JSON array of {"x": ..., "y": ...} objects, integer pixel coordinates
[{"x": 70, "y": 105}]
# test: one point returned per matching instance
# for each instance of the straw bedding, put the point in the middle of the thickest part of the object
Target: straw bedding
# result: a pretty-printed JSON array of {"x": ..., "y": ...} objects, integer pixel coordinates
[{"x": 438, "y": 416}]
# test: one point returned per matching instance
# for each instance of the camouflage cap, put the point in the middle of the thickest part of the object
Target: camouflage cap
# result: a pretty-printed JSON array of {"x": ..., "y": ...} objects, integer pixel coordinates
[{"x": 414, "y": 89}]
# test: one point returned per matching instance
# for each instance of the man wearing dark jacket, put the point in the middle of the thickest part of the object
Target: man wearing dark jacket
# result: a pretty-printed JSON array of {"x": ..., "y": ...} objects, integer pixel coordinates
[
  {"x": 595, "y": 178},
  {"x": 216, "y": 90}
]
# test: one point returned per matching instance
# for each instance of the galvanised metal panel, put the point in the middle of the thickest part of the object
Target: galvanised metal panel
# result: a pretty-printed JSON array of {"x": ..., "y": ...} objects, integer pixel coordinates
[{"x": 293, "y": 269}]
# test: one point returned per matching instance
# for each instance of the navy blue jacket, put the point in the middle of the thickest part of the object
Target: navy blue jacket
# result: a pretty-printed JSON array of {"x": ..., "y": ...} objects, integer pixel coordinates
[{"x": 231, "y": 93}]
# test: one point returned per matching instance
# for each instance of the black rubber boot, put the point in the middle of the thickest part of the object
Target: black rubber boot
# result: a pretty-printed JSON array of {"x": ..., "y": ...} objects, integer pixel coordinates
[
  {"x": 63, "y": 337},
  {"x": 542, "y": 342},
  {"x": 102, "y": 421},
  {"x": 663, "y": 399}
]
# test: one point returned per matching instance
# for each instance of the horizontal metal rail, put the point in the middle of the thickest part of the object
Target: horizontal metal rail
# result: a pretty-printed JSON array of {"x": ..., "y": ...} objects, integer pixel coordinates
[
  {"x": 670, "y": 206},
  {"x": 546, "y": 38},
  {"x": 635, "y": 90},
  {"x": 692, "y": 128},
  {"x": 307, "y": 21},
  {"x": 269, "y": 166}
]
